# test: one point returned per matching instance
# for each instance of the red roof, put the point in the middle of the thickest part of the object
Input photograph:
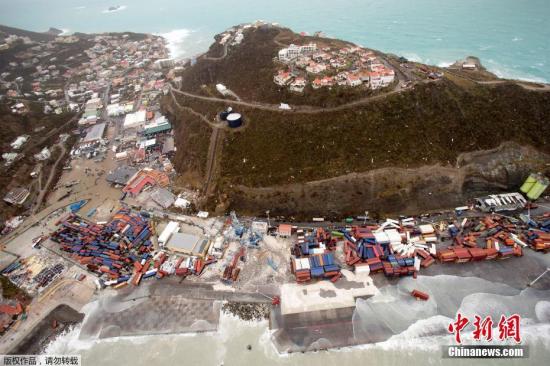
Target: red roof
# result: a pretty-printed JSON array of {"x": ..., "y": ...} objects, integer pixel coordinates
[
  {"x": 285, "y": 229},
  {"x": 11, "y": 310}
]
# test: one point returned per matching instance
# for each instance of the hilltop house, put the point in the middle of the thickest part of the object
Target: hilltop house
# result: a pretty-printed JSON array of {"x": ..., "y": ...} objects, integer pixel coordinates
[
  {"x": 315, "y": 68},
  {"x": 293, "y": 51},
  {"x": 354, "y": 80},
  {"x": 282, "y": 78},
  {"x": 298, "y": 85}
]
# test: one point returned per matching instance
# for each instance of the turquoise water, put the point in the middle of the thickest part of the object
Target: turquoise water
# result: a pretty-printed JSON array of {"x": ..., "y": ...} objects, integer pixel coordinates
[{"x": 512, "y": 37}]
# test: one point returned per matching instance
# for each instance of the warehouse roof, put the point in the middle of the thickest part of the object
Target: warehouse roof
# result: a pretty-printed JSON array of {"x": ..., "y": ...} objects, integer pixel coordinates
[
  {"x": 154, "y": 128},
  {"x": 95, "y": 133},
  {"x": 163, "y": 197},
  {"x": 121, "y": 174},
  {"x": 134, "y": 119},
  {"x": 187, "y": 244}
]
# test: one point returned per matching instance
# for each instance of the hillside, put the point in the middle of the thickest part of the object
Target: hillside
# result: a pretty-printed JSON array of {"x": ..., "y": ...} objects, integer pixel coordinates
[
  {"x": 43, "y": 131},
  {"x": 34, "y": 36},
  {"x": 249, "y": 70},
  {"x": 428, "y": 125}
]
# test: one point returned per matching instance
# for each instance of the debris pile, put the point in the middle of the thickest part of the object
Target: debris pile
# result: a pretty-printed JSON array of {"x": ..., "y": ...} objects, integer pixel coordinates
[
  {"x": 314, "y": 256},
  {"x": 247, "y": 311},
  {"x": 108, "y": 249}
]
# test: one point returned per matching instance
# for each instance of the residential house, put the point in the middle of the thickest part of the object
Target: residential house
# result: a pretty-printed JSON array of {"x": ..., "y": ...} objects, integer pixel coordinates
[
  {"x": 282, "y": 78},
  {"x": 316, "y": 84},
  {"x": 315, "y": 68},
  {"x": 354, "y": 80},
  {"x": 298, "y": 85}
]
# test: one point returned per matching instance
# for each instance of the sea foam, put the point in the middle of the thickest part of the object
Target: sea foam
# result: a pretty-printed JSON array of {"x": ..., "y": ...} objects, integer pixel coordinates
[{"x": 176, "y": 40}]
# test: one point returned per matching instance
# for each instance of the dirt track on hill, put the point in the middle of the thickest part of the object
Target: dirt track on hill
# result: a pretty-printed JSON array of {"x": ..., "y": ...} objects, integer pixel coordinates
[{"x": 396, "y": 190}]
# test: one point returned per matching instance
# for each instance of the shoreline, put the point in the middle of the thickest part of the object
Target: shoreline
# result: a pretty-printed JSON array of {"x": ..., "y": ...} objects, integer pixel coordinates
[{"x": 38, "y": 339}]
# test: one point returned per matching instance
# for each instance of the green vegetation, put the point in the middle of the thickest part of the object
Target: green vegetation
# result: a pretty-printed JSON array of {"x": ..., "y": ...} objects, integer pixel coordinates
[
  {"x": 9, "y": 290},
  {"x": 193, "y": 137},
  {"x": 433, "y": 123}
]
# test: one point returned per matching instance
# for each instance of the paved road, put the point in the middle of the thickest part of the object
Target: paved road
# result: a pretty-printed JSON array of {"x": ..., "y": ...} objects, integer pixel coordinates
[
  {"x": 295, "y": 109},
  {"x": 225, "y": 47},
  {"x": 525, "y": 85}
]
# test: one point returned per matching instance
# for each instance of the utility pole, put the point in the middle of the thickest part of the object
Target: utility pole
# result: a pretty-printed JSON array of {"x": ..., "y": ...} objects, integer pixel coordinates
[
  {"x": 267, "y": 213},
  {"x": 365, "y": 218}
]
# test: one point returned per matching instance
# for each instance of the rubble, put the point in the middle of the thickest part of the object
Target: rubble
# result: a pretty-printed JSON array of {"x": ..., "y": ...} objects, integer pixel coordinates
[{"x": 247, "y": 311}]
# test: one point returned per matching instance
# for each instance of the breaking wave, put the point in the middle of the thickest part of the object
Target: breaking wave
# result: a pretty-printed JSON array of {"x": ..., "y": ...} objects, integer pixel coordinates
[
  {"x": 176, "y": 42},
  {"x": 445, "y": 63},
  {"x": 394, "y": 319},
  {"x": 505, "y": 72}
]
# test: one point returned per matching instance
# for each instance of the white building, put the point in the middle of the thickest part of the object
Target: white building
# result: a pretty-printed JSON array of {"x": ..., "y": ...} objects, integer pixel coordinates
[
  {"x": 171, "y": 228},
  {"x": 298, "y": 85},
  {"x": 19, "y": 142},
  {"x": 135, "y": 120},
  {"x": 375, "y": 80},
  {"x": 387, "y": 77},
  {"x": 222, "y": 89},
  {"x": 115, "y": 109},
  {"x": 293, "y": 51}
]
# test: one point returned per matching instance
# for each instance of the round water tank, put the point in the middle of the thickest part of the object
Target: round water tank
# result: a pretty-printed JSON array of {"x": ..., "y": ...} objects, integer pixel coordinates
[{"x": 234, "y": 120}]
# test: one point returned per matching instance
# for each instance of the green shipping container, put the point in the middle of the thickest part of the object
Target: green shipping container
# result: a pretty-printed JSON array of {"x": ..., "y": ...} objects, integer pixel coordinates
[
  {"x": 529, "y": 183},
  {"x": 337, "y": 233},
  {"x": 349, "y": 220},
  {"x": 537, "y": 190}
]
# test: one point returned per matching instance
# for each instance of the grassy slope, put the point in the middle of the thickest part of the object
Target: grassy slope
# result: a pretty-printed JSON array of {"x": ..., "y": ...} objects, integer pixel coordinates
[{"x": 432, "y": 124}]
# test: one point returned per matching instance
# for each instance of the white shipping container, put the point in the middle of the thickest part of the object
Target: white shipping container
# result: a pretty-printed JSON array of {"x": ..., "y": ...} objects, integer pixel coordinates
[
  {"x": 430, "y": 239},
  {"x": 297, "y": 264},
  {"x": 417, "y": 264},
  {"x": 426, "y": 229},
  {"x": 363, "y": 268}
]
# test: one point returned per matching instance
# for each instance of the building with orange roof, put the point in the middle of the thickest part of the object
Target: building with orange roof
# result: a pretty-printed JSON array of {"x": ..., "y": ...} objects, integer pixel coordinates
[{"x": 143, "y": 178}]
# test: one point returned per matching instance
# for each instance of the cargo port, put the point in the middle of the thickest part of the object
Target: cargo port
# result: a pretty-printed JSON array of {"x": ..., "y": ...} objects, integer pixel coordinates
[{"x": 120, "y": 240}]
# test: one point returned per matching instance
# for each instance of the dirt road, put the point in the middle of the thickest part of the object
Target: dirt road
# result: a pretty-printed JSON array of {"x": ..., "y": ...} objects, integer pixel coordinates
[{"x": 44, "y": 189}]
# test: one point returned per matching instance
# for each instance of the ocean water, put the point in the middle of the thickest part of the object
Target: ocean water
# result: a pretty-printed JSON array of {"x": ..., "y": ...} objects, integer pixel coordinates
[
  {"x": 510, "y": 36},
  {"x": 420, "y": 331}
]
